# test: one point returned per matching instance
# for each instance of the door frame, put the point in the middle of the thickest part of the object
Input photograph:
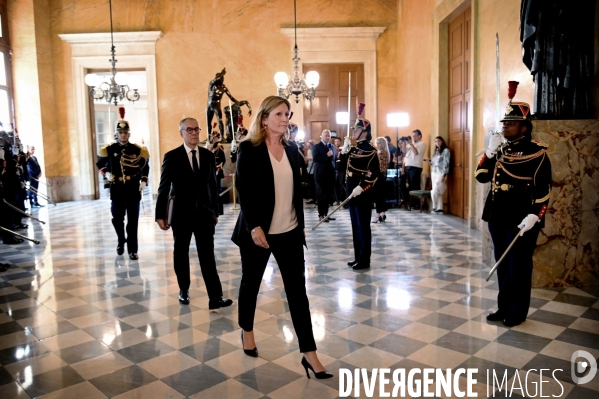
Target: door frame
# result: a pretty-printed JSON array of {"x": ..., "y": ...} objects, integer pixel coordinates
[
  {"x": 134, "y": 50},
  {"x": 347, "y": 45},
  {"x": 442, "y": 15}
]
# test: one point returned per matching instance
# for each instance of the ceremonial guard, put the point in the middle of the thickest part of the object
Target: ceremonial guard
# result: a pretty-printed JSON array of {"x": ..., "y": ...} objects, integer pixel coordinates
[
  {"x": 239, "y": 136},
  {"x": 220, "y": 158},
  {"x": 362, "y": 173},
  {"x": 8, "y": 188},
  {"x": 520, "y": 174},
  {"x": 125, "y": 168}
]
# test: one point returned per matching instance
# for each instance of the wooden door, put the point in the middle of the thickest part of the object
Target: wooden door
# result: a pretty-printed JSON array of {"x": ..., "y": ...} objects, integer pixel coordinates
[
  {"x": 331, "y": 97},
  {"x": 460, "y": 108}
]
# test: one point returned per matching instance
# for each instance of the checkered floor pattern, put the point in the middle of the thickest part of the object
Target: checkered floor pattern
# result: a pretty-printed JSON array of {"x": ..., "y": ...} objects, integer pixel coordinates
[{"x": 78, "y": 321}]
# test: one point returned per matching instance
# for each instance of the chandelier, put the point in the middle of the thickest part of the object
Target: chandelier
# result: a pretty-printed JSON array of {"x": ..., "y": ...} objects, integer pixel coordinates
[
  {"x": 115, "y": 90},
  {"x": 297, "y": 85}
]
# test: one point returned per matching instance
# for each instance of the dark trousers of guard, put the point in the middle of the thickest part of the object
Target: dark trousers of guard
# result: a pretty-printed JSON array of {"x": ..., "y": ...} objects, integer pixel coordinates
[
  {"x": 324, "y": 193},
  {"x": 119, "y": 209},
  {"x": 514, "y": 273},
  {"x": 289, "y": 254},
  {"x": 359, "y": 213},
  {"x": 32, "y": 195},
  {"x": 412, "y": 179},
  {"x": 202, "y": 228}
]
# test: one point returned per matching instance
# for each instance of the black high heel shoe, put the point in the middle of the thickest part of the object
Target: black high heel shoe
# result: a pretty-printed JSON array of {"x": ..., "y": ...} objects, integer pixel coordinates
[
  {"x": 322, "y": 375},
  {"x": 249, "y": 352}
]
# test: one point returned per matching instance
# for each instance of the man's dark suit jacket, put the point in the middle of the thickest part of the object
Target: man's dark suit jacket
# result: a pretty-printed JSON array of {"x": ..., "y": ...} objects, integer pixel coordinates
[
  {"x": 190, "y": 191},
  {"x": 255, "y": 184},
  {"x": 323, "y": 165},
  {"x": 33, "y": 167}
]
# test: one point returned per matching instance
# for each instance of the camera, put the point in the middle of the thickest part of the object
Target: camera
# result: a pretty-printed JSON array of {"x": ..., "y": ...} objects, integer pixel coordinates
[{"x": 405, "y": 138}]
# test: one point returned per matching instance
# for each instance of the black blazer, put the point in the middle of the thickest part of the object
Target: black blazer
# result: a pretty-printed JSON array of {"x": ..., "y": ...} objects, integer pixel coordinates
[
  {"x": 254, "y": 180},
  {"x": 191, "y": 193},
  {"x": 323, "y": 164},
  {"x": 33, "y": 167}
]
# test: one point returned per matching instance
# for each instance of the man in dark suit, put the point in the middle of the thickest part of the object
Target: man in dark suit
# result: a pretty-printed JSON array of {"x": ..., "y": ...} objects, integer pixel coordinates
[
  {"x": 189, "y": 175},
  {"x": 35, "y": 172},
  {"x": 324, "y": 154}
]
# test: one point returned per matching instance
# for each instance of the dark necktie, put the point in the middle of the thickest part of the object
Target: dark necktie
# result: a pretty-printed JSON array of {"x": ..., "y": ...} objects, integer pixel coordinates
[{"x": 194, "y": 162}]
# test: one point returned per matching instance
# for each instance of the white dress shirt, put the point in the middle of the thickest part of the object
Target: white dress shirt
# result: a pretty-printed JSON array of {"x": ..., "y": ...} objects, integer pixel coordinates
[{"x": 189, "y": 155}]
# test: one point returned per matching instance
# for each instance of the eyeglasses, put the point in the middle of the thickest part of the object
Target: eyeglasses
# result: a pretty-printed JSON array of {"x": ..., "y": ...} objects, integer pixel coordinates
[{"x": 191, "y": 130}]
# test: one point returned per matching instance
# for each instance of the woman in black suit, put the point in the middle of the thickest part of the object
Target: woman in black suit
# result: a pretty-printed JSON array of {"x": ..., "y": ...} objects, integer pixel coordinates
[{"x": 272, "y": 221}]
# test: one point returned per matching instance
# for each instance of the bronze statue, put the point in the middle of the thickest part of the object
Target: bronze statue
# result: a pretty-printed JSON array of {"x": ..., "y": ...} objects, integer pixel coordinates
[
  {"x": 216, "y": 89},
  {"x": 235, "y": 110},
  {"x": 557, "y": 42}
]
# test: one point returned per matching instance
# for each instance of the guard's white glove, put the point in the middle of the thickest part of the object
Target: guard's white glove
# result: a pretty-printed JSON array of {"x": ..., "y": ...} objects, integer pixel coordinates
[
  {"x": 495, "y": 141},
  {"x": 346, "y": 145},
  {"x": 1, "y": 153},
  {"x": 357, "y": 191},
  {"x": 527, "y": 223},
  {"x": 233, "y": 146},
  {"x": 142, "y": 186},
  {"x": 109, "y": 176}
]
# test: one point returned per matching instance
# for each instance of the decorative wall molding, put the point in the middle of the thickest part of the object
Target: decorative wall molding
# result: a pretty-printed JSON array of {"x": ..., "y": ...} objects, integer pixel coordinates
[
  {"x": 134, "y": 50},
  {"x": 343, "y": 45}
]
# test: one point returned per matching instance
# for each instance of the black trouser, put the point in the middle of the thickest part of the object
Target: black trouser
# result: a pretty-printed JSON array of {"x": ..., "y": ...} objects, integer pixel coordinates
[
  {"x": 202, "y": 227},
  {"x": 220, "y": 198},
  {"x": 289, "y": 254},
  {"x": 32, "y": 195},
  {"x": 324, "y": 187},
  {"x": 5, "y": 220},
  {"x": 359, "y": 213},
  {"x": 515, "y": 271},
  {"x": 412, "y": 178},
  {"x": 119, "y": 209},
  {"x": 380, "y": 195},
  {"x": 13, "y": 199}
]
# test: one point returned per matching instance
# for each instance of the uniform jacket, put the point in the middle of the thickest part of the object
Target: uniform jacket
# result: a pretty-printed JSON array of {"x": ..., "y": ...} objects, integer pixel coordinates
[
  {"x": 192, "y": 193},
  {"x": 128, "y": 164},
  {"x": 362, "y": 169},
  {"x": 254, "y": 180},
  {"x": 220, "y": 159},
  {"x": 520, "y": 177}
]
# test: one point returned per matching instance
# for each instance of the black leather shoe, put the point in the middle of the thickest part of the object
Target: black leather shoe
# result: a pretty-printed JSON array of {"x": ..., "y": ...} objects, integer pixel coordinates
[
  {"x": 218, "y": 303},
  {"x": 508, "y": 322},
  {"x": 249, "y": 352},
  {"x": 332, "y": 218},
  {"x": 361, "y": 265},
  {"x": 133, "y": 256},
  {"x": 321, "y": 375},
  {"x": 322, "y": 217},
  {"x": 13, "y": 240},
  {"x": 120, "y": 248},
  {"x": 184, "y": 297},
  {"x": 495, "y": 316},
  {"x": 352, "y": 263},
  {"x": 21, "y": 226}
]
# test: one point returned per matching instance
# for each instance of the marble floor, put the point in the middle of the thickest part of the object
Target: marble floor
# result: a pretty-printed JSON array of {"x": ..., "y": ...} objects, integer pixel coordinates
[{"x": 78, "y": 321}]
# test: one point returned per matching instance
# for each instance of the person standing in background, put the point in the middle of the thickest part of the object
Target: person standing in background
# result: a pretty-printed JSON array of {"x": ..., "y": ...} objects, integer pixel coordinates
[
  {"x": 380, "y": 193},
  {"x": 35, "y": 173},
  {"x": 414, "y": 150},
  {"x": 440, "y": 164}
]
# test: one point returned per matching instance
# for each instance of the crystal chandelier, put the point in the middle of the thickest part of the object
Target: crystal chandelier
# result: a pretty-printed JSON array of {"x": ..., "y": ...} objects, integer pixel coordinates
[
  {"x": 115, "y": 90},
  {"x": 297, "y": 85}
]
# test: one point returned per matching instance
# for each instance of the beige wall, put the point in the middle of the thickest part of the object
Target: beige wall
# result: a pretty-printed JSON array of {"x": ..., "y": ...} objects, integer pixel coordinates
[{"x": 200, "y": 38}]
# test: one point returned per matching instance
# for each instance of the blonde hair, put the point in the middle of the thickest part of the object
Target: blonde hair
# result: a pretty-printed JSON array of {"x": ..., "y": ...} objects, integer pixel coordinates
[
  {"x": 385, "y": 145},
  {"x": 257, "y": 132}
]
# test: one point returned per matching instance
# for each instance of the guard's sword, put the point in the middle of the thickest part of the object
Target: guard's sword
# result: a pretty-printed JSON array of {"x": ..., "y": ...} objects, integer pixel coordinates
[
  {"x": 227, "y": 190},
  {"x": 36, "y": 192},
  {"x": 502, "y": 256},
  {"x": 497, "y": 93},
  {"x": 334, "y": 210},
  {"x": 39, "y": 181},
  {"x": 23, "y": 213},
  {"x": 21, "y": 236}
]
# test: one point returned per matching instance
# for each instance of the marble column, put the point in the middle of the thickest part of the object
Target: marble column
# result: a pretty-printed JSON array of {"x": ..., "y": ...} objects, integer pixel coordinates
[{"x": 567, "y": 252}]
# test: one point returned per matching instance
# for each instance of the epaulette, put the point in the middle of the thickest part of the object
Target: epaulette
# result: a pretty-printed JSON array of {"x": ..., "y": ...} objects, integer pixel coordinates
[
  {"x": 104, "y": 151},
  {"x": 540, "y": 143}
]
